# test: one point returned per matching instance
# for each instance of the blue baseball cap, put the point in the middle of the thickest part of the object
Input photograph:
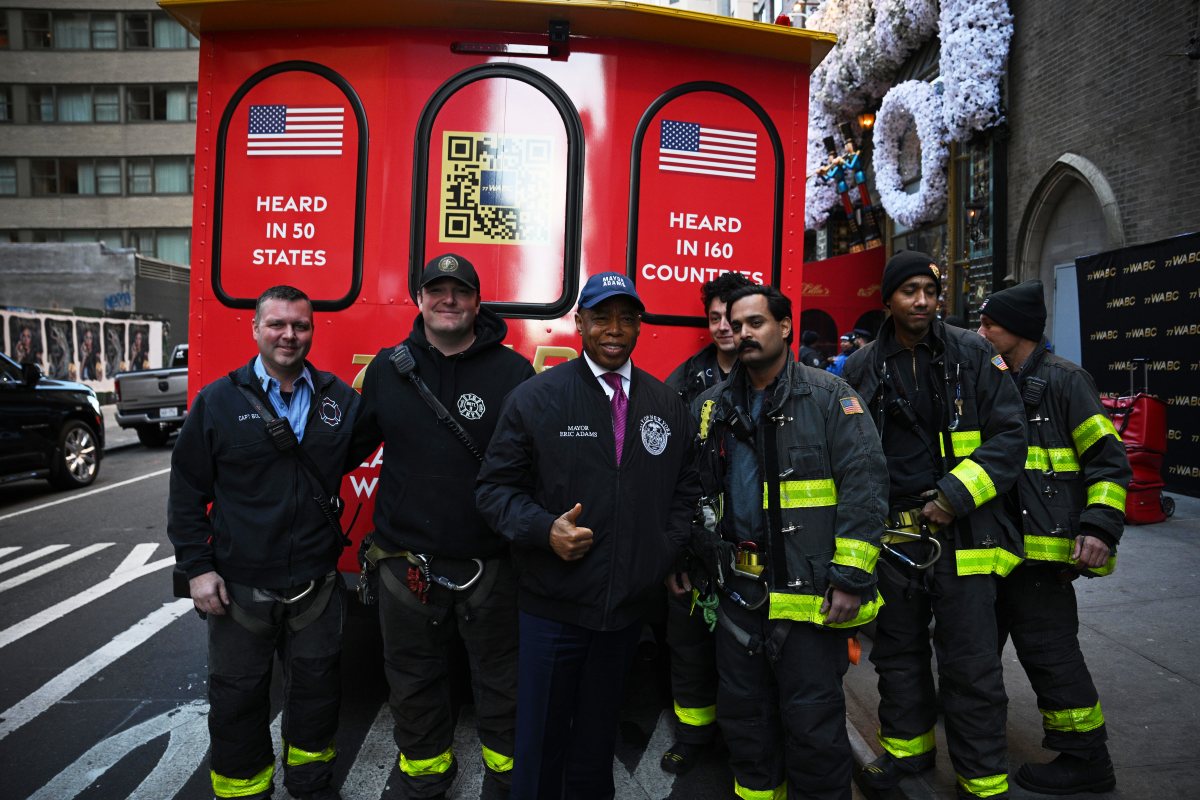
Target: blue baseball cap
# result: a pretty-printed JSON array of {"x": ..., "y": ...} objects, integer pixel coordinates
[{"x": 604, "y": 285}]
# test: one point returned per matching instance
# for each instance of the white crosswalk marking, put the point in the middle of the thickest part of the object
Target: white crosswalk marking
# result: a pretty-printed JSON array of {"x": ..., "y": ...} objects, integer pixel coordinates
[
  {"x": 57, "y": 563},
  {"x": 126, "y": 572},
  {"x": 71, "y": 678},
  {"x": 373, "y": 764},
  {"x": 6, "y": 550},
  {"x": 21, "y": 561}
]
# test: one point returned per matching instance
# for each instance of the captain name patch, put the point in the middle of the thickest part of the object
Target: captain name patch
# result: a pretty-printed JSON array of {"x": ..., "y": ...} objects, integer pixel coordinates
[
  {"x": 850, "y": 405},
  {"x": 998, "y": 361}
]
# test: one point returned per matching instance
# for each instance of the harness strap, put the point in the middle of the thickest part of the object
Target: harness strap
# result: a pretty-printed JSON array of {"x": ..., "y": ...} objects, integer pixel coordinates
[{"x": 268, "y": 630}]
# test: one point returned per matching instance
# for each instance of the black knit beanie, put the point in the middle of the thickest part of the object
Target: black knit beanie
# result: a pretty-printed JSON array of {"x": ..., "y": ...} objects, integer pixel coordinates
[
  {"x": 1020, "y": 309},
  {"x": 903, "y": 266}
]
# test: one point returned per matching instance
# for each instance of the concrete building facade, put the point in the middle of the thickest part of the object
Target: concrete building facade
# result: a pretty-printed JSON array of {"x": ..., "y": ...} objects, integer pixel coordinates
[{"x": 97, "y": 125}]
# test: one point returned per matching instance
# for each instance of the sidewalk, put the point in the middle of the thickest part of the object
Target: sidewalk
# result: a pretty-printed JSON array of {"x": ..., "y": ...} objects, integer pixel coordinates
[
  {"x": 1141, "y": 639},
  {"x": 116, "y": 437}
]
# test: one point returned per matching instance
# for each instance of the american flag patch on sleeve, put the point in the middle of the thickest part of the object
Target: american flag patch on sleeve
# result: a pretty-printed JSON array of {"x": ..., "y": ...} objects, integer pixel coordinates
[
  {"x": 998, "y": 361},
  {"x": 850, "y": 405}
]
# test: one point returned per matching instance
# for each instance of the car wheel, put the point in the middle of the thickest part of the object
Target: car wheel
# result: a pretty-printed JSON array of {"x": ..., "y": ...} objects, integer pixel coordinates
[
  {"x": 76, "y": 461},
  {"x": 153, "y": 435}
]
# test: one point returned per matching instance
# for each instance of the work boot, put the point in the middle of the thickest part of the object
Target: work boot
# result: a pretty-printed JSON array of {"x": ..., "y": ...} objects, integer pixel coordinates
[
  {"x": 682, "y": 756},
  {"x": 326, "y": 793},
  {"x": 887, "y": 771},
  {"x": 1069, "y": 774},
  {"x": 963, "y": 794}
]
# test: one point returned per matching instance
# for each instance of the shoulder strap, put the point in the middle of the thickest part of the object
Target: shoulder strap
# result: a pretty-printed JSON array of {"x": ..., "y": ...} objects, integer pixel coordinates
[
  {"x": 309, "y": 468},
  {"x": 406, "y": 367}
]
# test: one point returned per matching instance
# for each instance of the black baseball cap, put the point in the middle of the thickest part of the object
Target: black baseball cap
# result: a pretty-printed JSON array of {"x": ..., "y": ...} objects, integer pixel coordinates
[{"x": 450, "y": 265}]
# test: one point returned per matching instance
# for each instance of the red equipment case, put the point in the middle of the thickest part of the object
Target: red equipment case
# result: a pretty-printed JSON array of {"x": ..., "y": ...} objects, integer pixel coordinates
[{"x": 1141, "y": 420}]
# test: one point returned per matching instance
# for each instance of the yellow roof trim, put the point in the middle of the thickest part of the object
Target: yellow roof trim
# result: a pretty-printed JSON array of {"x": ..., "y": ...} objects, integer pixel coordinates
[{"x": 600, "y": 18}]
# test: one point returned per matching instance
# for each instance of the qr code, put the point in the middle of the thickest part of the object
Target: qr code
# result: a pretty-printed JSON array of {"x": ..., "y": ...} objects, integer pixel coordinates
[{"x": 495, "y": 189}]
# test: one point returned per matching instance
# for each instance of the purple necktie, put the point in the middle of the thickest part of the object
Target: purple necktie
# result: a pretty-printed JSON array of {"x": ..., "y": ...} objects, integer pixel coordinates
[{"x": 620, "y": 406}]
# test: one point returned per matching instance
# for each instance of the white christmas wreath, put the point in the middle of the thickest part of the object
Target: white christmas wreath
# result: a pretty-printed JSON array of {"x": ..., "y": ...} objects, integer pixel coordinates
[{"x": 912, "y": 103}]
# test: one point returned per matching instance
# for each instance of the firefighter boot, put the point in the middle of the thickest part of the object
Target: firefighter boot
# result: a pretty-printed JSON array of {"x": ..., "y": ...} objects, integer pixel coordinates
[
  {"x": 1069, "y": 774},
  {"x": 887, "y": 771},
  {"x": 682, "y": 756}
]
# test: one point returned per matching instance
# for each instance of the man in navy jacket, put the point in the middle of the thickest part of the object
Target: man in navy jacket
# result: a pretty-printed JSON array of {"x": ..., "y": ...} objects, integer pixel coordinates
[{"x": 597, "y": 512}]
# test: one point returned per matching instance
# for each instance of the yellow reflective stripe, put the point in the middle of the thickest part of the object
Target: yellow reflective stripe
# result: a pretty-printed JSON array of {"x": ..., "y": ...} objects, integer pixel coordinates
[
  {"x": 416, "y": 767},
  {"x": 976, "y": 481},
  {"x": 803, "y": 494},
  {"x": 778, "y": 793},
  {"x": 706, "y": 417},
  {"x": 987, "y": 786},
  {"x": 985, "y": 561},
  {"x": 965, "y": 442},
  {"x": 242, "y": 787},
  {"x": 855, "y": 553},
  {"x": 696, "y": 717},
  {"x": 296, "y": 756},
  {"x": 807, "y": 608},
  {"x": 1073, "y": 720},
  {"x": 1042, "y": 459},
  {"x": 1092, "y": 430},
  {"x": 907, "y": 748},
  {"x": 1106, "y": 493},
  {"x": 1058, "y": 549},
  {"x": 496, "y": 762}
]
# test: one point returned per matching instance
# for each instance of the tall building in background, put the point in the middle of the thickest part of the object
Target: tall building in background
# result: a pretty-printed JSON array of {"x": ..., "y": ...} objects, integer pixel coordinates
[{"x": 97, "y": 126}]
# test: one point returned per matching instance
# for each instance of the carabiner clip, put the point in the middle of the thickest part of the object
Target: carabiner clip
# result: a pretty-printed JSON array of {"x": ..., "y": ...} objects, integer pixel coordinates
[{"x": 916, "y": 537}]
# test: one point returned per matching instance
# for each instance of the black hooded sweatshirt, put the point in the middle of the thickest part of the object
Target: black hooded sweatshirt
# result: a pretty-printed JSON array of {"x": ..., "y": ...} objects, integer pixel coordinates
[{"x": 425, "y": 501}]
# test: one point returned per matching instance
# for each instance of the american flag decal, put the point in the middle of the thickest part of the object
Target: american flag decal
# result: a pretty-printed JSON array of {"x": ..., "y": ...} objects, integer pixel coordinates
[
  {"x": 850, "y": 405},
  {"x": 280, "y": 130},
  {"x": 998, "y": 361},
  {"x": 693, "y": 148}
]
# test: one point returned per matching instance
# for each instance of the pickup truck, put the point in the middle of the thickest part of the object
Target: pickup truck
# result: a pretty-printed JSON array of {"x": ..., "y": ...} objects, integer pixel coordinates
[{"x": 154, "y": 401}]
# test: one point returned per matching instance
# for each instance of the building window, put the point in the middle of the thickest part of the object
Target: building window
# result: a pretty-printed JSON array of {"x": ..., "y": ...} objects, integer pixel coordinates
[
  {"x": 8, "y": 177},
  {"x": 5, "y": 100},
  {"x": 76, "y": 176},
  {"x": 70, "y": 30},
  {"x": 74, "y": 104},
  {"x": 161, "y": 175},
  {"x": 166, "y": 244},
  {"x": 160, "y": 103},
  {"x": 155, "y": 30},
  {"x": 3, "y": 30}
]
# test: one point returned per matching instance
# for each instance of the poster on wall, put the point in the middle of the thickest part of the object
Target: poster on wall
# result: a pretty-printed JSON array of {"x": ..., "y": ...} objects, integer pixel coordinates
[{"x": 1140, "y": 302}]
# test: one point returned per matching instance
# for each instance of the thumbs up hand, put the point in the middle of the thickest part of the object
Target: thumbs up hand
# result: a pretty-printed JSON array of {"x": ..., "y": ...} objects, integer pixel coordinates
[{"x": 569, "y": 542}]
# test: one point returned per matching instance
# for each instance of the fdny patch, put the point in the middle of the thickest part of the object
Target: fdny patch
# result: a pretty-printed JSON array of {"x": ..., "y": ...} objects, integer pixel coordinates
[
  {"x": 331, "y": 413},
  {"x": 850, "y": 405},
  {"x": 471, "y": 406},
  {"x": 998, "y": 362},
  {"x": 655, "y": 434}
]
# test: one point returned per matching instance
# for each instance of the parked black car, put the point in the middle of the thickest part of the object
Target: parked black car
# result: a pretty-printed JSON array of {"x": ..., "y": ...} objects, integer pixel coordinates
[{"x": 48, "y": 428}]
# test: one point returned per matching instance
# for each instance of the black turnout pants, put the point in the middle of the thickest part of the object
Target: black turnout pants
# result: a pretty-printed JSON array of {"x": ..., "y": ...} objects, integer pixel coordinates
[
  {"x": 969, "y": 671},
  {"x": 1036, "y": 607},
  {"x": 693, "y": 671},
  {"x": 417, "y": 639},
  {"x": 240, "y": 663},
  {"x": 784, "y": 718}
]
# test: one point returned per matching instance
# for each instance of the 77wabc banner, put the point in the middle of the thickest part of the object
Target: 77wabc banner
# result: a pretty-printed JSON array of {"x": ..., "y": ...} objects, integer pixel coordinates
[{"x": 1141, "y": 302}]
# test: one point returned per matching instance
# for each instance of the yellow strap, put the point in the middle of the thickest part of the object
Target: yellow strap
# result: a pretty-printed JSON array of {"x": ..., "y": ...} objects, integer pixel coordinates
[
  {"x": 1092, "y": 430},
  {"x": 975, "y": 480},
  {"x": 296, "y": 756},
  {"x": 985, "y": 561},
  {"x": 855, "y": 553},
  {"x": 987, "y": 786},
  {"x": 803, "y": 494},
  {"x": 1073, "y": 720},
  {"x": 1042, "y": 459},
  {"x": 907, "y": 748},
  {"x": 1107, "y": 493},
  {"x": 807, "y": 608},
  {"x": 242, "y": 787},
  {"x": 778, "y": 793},
  {"x": 496, "y": 762},
  {"x": 706, "y": 418},
  {"x": 417, "y": 767},
  {"x": 696, "y": 717}
]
